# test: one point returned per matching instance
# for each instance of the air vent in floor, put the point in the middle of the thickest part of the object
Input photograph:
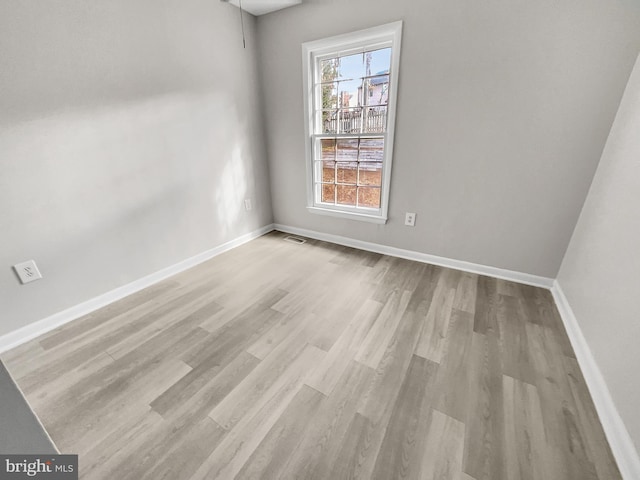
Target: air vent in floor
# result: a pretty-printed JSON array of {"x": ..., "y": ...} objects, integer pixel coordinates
[{"x": 296, "y": 240}]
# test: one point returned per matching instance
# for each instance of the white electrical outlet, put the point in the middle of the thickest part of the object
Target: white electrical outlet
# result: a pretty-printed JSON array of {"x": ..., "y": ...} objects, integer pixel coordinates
[
  {"x": 27, "y": 271},
  {"x": 247, "y": 204},
  {"x": 410, "y": 219}
]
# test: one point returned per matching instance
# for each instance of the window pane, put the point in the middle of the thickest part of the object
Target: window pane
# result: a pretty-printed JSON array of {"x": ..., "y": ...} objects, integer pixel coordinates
[
  {"x": 327, "y": 193},
  {"x": 348, "y": 93},
  {"x": 328, "y": 171},
  {"x": 329, "y": 95},
  {"x": 370, "y": 173},
  {"x": 347, "y": 150},
  {"x": 347, "y": 173},
  {"x": 324, "y": 171},
  {"x": 327, "y": 149},
  {"x": 379, "y": 61},
  {"x": 377, "y": 90},
  {"x": 351, "y": 120},
  {"x": 352, "y": 66},
  {"x": 371, "y": 150},
  {"x": 369, "y": 197},
  {"x": 375, "y": 120},
  {"x": 346, "y": 195},
  {"x": 328, "y": 69},
  {"x": 330, "y": 121}
]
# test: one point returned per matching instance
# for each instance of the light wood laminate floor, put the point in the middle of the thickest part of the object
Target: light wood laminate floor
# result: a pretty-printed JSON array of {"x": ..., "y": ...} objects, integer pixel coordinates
[{"x": 316, "y": 361}]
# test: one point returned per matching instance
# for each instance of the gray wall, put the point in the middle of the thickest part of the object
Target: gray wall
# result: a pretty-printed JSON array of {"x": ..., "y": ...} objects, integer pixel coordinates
[
  {"x": 600, "y": 274},
  {"x": 130, "y": 134},
  {"x": 504, "y": 108}
]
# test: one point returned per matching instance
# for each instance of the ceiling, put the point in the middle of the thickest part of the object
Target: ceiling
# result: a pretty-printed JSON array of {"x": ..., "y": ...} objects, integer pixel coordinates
[{"x": 262, "y": 7}]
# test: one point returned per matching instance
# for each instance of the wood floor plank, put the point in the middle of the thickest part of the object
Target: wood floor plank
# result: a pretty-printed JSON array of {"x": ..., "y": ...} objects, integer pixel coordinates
[
  {"x": 328, "y": 373},
  {"x": 436, "y": 323},
  {"x": 117, "y": 449},
  {"x": 212, "y": 391},
  {"x": 322, "y": 441},
  {"x": 41, "y": 394},
  {"x": 245, "y": 436},
  {"x": 540, "y": 309},
  {"x": 484, "y": 438},
  {"x": 526, "y": 449},
  {"x": 466, "y": 293},
  {"x": 334, "y": 318},
  {"x": 377, "y": 404},
  {"x": 453, "y": 375},
  {"x": 316, "y": 361},
  {"x": 51, "y": 364},
  {"x": 589, "y": 424},
  {"x": 270, "y": 456},
  {"x": 357, "y": 450},
  {"x": 403, "y": 444},
  {"x": 246, "y": 305},
  {"x": 193, "y": 312},
  {"x": 116, "y": 379},
  {"x": 377, "y": 340},
  {"x": 401, "y": 274},
  {"x": 235, "y": 336},
  {"x": 288, "y": 325},
  {"x": 268, "y": 377},
  {"x": 425, "y": 288},
  {"x": 505, "y": 287},
  {"x": 379, "y": 399},
  {"x": 175, "y": 458},
  {"x": 101, "y": 416},
  {"x": 442, "y": 459},
  {"x": 514, "y": 346},
  {"x": 569, "y": 455},
  {"x": 486, "y": 302},
  {"x": 144, "y": 300},
  {"x": 227, "y": 348}
]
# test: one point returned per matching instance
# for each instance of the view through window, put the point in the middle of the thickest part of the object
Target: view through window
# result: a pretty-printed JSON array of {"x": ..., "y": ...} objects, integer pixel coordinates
[{"x": 354, "y": 93}]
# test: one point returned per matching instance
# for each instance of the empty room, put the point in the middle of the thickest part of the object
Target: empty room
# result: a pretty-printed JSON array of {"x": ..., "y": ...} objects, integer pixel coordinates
[{"x": 319, "y": 239}]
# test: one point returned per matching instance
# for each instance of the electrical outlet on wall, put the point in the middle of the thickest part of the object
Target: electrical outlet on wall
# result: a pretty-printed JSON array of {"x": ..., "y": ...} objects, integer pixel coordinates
[
  {"x": 410, "y": 219},
  {"x": 247, "y": 204},
  {"x": 27, "y": 271}
]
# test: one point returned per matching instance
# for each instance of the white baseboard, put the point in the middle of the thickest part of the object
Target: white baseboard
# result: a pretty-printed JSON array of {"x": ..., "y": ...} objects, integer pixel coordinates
[
  {"x": 510, "y": 275},
  {"x": 619, "y": 439},
  {"x": 35, "y": 329}
]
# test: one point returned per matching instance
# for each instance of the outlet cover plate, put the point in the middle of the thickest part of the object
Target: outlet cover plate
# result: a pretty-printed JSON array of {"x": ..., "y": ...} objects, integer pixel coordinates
[
  {"x": 27, "y": 271},
  {"x": 410, "y": 219}
]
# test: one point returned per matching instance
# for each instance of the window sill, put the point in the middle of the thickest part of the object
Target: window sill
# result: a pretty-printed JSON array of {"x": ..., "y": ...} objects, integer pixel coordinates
[{"x": 348, "y": 215}]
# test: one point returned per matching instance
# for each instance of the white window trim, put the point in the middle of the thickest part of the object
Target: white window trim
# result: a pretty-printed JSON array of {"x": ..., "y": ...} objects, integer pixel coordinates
[{"x": 390, "y": 34}]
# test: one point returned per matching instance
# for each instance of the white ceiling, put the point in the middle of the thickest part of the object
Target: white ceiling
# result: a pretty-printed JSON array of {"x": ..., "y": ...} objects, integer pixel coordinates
[{"x": 261, "y": 7}]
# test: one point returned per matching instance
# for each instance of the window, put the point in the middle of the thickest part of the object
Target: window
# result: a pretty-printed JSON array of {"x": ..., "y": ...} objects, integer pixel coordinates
[{"x": 350, "y": 85}]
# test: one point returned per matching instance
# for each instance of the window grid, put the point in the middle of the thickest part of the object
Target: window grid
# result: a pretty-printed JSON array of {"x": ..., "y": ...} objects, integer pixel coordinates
[
  {"x": 345, "y": 119},
  {"x": 357, "y": 165},
  {"x": 350, "y": 94}
]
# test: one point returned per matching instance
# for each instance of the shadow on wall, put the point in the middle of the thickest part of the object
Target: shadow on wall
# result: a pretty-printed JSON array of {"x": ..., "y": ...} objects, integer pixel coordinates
[{"x": 94, "y": 168}]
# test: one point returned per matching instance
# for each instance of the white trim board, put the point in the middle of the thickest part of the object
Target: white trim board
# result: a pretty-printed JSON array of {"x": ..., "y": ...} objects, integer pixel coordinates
[
  {"x": 510, "y": 275},
  {"x": 619, "y": 439},
  {"x": 35, "y": 329}
]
